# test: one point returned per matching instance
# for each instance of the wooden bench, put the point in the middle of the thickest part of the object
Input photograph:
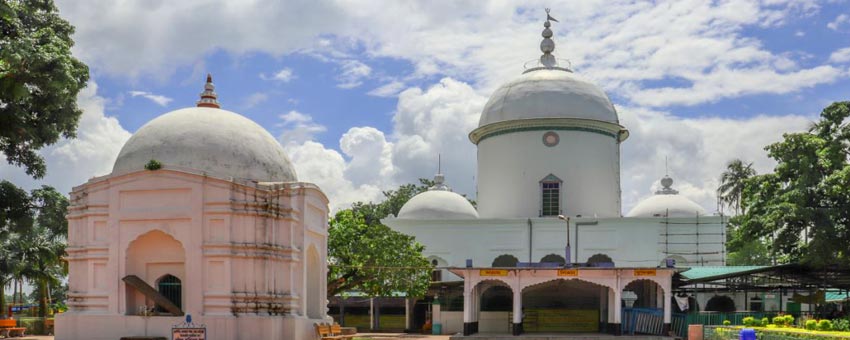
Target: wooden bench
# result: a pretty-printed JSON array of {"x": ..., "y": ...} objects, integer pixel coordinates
[
  {"x": 324, "y": 332},
  {"x": 11, "y": 332},
  {"x": 336, "y": 330}
]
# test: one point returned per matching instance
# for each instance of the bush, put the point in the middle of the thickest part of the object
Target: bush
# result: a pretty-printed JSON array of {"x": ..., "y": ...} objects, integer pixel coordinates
[
  {"x": 765, "y": 321},
  {"x": 727, "y": 322},
  {"x": 789, "y": 320},
  {"x": 779, "y": 320},
  {"x": 33, "y": 325},
  {"x": 842, "y": 325},
  {"x": 749, "y": 321},
  {"x": 811, "y": 324},
  {"x": 153, "y": 165},
  {"x": 824, "y": 325}
]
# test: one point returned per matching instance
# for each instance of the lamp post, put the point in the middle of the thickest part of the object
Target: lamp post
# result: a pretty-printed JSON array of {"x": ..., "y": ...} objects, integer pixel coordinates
[{"x": 568, "y": 263}]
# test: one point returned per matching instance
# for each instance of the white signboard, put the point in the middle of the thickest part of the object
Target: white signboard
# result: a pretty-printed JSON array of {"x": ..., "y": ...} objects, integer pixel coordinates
[{"x": 188, "y": 334}]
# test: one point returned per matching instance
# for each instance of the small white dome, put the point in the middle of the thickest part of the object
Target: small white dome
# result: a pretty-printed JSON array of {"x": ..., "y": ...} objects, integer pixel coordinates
[
  {"x": 208, "y": 139},
  {"x": 437, "y": 205},
  {"x": 548, "y": 93},
  {"x": 666, "y": 203}
]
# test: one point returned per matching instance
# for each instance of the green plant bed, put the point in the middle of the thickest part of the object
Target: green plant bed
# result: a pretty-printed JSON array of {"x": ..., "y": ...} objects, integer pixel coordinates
[{"x": 773, "y": 332}]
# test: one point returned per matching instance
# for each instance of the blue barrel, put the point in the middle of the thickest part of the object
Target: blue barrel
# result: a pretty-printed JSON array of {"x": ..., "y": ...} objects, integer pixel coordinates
[
  {"x": 747, "y": 334},
  {"x": 437, "y": 329}
]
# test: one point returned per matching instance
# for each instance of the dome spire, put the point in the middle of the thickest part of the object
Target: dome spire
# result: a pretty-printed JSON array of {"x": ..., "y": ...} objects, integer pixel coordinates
[
  {"x": 209, "y": 98},
  {"x": 547, "y": 46},
  {"x": 439, "y": 178},
  {"x": 667, "y": 186}
]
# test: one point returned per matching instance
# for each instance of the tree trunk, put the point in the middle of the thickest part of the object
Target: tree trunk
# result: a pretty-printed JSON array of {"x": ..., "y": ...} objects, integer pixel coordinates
[
  {"x": 2, "y": 300},
  {"x": 42, "y": 301}
]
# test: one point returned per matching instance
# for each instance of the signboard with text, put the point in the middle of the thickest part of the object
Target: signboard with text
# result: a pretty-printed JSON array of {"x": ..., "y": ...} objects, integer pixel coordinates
[
  {"x": 644, "y": 272},
  {"x": 568, "y": 272},
  {"x": 188, "y": 334},
  {"x": 493, "y": 272}
]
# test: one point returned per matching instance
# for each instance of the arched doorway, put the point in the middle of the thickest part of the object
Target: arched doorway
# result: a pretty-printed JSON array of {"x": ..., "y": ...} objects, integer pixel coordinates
[
  {"x": 171, "y": 288},
  {"x": 152, "y": 257},
  {"x": 564, "y": 306},
  {"x": 643, "y": 307},
  {"x": 495, "y": 304},
  {"x": 505, "y": 260},
  {"x": 314, "y": 284},
  {"x": 720, "y": 303}
]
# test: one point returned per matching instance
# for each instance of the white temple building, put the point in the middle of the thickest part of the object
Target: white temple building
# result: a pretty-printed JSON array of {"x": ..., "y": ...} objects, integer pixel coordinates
[
  {"x": 202, "y": 214},
  {"x": 549, "y": 146}
]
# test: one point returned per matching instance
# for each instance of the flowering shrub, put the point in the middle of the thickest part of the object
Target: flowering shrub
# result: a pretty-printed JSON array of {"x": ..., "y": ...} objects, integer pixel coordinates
[
  {"x": 824, "y": 325},
  {"x": 811, "y": 324},
  {"x": 749, "y": 321},
  {"x": 779, "y": 320}
]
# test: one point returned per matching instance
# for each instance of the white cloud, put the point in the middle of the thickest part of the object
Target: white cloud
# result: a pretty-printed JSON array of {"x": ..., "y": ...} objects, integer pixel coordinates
[
  {"x": 71, "y": 162},
  {"x": 156, "y": 98},
  {"x": 626, "y": 46},
  {"x": 390, "y": 89},
  {"x": 838, "y": 22},
  {"x": 352, "y": 73},
  {"x": 840, "y": 56},
  {"x": 298, "y": 128},
  {"x": 284, "y": 75},
  {"x": 255, "y": 99}
]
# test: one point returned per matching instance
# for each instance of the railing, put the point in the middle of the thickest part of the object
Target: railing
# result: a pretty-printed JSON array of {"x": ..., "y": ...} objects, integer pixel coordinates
[
  {"x": 643, "y": 321},
  {"x": 733, "y": 333}
]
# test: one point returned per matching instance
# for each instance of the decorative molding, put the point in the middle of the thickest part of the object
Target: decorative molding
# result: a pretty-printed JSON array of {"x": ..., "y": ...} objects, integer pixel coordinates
[{"x": 613, "y": 130}]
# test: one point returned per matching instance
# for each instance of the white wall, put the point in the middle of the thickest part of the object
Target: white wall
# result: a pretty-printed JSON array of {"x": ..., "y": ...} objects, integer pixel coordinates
[{"x": 510, "y": 167}]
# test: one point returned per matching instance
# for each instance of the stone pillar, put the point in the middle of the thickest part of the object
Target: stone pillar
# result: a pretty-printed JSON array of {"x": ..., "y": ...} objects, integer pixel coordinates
[
  {"x": 668, "y": 312},
  {"x": 516, "y": 323},
  {"x": 467, "y": 304},
  {"x": 408, "y": 318},
  {"x": 372, "y": 314},
  {"x": 618, "y": 312}
]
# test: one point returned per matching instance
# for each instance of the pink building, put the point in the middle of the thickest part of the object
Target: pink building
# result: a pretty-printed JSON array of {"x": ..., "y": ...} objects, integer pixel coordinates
[{"x": 202, "y": 209}]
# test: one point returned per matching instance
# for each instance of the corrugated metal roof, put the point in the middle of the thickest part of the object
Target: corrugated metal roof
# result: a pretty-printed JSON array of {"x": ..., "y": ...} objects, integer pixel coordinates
[
  {"x": 836, "y": 295},
  {"x": 696, "y": 273}
]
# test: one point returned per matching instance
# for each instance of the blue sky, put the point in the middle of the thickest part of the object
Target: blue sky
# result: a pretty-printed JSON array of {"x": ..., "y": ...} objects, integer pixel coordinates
[{"x": 364, "y": 95}]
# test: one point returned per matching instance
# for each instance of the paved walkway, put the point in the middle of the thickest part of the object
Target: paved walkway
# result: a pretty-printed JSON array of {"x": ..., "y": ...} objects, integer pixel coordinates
[{"x": 394, "y": 336}]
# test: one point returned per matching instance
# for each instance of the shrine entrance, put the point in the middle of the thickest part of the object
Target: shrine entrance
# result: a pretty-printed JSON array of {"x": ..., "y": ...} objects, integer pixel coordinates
[{"x": 564, "y": 306}]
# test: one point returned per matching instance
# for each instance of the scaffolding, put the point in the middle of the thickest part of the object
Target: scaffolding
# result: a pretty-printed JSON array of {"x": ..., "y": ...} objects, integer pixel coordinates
[{"x": 699, "y": 242}]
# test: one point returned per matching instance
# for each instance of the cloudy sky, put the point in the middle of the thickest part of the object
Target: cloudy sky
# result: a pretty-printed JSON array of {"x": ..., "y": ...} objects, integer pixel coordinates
[{"x": 365, "y": 94}]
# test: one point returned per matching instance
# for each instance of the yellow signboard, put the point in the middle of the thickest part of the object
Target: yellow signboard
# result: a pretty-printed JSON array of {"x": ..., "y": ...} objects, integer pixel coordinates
[
  {"x": 644, "y": 272},
  {"x": 567, "y": 272},
  {"x": 493, "y": 272}
]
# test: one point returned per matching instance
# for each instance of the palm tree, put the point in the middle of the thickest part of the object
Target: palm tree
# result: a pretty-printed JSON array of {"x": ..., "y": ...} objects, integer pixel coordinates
[
  {"x": 7, "y": 273},
  {"x": 40, "y": 256},
  {"x": 732, "y": 183}
]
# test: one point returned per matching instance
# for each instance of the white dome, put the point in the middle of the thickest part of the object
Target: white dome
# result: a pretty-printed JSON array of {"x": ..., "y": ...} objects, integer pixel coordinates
[
  {"x": 437, "y": 204},
  {"x": 208, "y": 139},
  {"x": 666, "y": 203},
  {"x": 548, "y": 93}
]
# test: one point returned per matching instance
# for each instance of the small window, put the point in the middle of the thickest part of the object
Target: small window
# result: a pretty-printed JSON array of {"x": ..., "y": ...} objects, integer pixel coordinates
[
  {"x": 436, "y": 274},
  {"x": 550, "y": 203},
  {"x": 170, "y": 287}
]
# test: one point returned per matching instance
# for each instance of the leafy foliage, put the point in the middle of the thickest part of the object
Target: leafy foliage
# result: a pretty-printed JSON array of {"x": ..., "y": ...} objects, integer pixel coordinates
[
  {"x": 39, "y": 81},
  {"x": 824, "y": 325},
  {"x": 33, "y": 230},
  {"x": 373, "y": 259},
  {"x": 153, "y": 165},
  {"x": 802, "y": 209},
  {"x": 732, "y": 183}
]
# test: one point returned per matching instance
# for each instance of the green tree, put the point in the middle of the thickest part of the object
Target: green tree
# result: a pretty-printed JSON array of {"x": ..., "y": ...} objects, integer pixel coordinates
[
  {"x": 33, "y": 230},
  {"x": 732, "y": 183},
  {"x": 373, "y": 259},
  {"x": 39, "y": 81},
  {"x": 803, "y": 207}
]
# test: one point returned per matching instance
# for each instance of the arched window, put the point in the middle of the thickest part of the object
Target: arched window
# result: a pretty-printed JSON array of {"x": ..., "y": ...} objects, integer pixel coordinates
[
  {"x": 505, "y": 261},
  {"x": 720, "y": 303},
  {"x": 600, "y": 260},
  {"x": 550, "y": 196},
  {"x": 554, "y": 258},
  {"x": 170, "y": 287},
  {"x": 436, "y": 274}
]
